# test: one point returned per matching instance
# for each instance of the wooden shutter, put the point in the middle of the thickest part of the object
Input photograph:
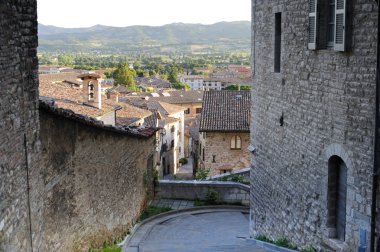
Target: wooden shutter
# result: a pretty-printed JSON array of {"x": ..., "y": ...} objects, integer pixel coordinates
[
  {"x": 312, "y": 38},
  {"x": 340, "y": 25}
]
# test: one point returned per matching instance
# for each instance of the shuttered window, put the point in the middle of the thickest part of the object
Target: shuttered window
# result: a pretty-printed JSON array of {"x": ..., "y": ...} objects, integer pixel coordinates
[
  {"x": 312, "y": 39},
  {"x": 329, "y": 24},
  {"x": 340, "y": 22},
  {"x": 235, "y": 143}
]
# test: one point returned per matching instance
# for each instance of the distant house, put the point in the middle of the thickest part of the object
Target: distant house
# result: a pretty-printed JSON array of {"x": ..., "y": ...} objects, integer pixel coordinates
[
  {"x": 213, "y": 84},
  {"x": 194, "y": 81},
  {"x": 202, "y": 69},
  {"x": 171, "y": 139},
  {"x": 153, "y": 83},
  {"x": 190, "y": 101},
  {"x": 224, "y": 131}
]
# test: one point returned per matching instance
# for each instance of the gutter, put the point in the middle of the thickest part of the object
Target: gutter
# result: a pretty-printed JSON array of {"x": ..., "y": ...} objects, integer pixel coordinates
[{"x": 375, "y": 175}]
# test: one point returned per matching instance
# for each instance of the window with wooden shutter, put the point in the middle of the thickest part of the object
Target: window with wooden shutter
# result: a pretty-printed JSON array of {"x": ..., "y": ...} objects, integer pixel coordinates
[
  {"x": 340, "y": 25},
  {"x": 312, "y": 39}
]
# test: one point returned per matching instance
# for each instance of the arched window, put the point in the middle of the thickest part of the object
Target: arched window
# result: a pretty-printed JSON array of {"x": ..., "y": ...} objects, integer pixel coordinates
[
  {"x": 336, "y": 197},
  {"x": 235, "y": 143}
]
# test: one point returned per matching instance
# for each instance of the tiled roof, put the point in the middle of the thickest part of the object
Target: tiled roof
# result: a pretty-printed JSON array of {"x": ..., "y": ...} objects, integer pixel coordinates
[
  {"x": 164, "y": 108},
  {"x": 121, "y": 90},
  {"x": 71, "y": 98},
  {"x": 151, "y": 82},
  {"x": 226, "y": 111},
  {"x": 48, "y": 105},
  {"x": 71, "y": 76},
  {"x": 68, "y": 100},
  {"x": 152, "y": 120},
  {"x": 192, "y": 77},
  {"x": 174, "y": 97},
  {"x": 89, "y": 75}
]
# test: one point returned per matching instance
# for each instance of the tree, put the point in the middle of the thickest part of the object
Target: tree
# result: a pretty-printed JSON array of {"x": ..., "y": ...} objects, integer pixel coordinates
[
  {"x": 152, "y": 73},
  {"x": 173, "y": 75},
  {"x": 146, "y": 74},
  {"x": 124, "y": 76},
  {"x": 65, "y": 60},
  {"x": 181, "y": 86},
  {"x": 236, "y": 87}
]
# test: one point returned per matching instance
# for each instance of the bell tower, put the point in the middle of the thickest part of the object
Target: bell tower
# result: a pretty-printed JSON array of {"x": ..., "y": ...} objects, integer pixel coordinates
[{"x": 91, "y": 89}]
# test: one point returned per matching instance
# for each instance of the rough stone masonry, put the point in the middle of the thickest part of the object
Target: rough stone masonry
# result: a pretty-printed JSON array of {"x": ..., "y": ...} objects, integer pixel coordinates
[
  {"x": 66, "y": 185},
  {"x": 318, "y": 106},
  {"x": 18, "y": 120}
]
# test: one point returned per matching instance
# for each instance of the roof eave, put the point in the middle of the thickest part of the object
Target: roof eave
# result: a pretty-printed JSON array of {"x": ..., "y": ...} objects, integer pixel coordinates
[{"x": 224, "y": 131}]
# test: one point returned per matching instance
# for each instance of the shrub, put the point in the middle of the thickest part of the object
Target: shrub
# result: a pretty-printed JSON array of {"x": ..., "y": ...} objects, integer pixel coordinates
[
  {"x": 309, "y": 249},
  {"x": 283, "y": 242},
  {"x": 202, "y": 174},
  {"x": 183, "y": 161},
  {"x": 212, "y": 196}
]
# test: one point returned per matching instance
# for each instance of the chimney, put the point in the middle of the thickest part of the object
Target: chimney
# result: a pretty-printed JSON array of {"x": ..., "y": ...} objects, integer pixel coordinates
[{"x": 113, "y": 95}]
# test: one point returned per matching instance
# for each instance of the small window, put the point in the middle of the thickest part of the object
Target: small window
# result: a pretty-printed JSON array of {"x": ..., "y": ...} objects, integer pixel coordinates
[
  {"x": 277, "y": 43},
  {"x": 203, "y": 154},
  {"x": 198, "y": 110},
  {"x": 213, "y": 158},
  {"x": 235, "y": 143},
  {"x": 187, "y": 111}
]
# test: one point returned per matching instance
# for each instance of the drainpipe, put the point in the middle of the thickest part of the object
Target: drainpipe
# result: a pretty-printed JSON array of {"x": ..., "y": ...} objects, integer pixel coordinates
[{"x": 375, "y": 175}]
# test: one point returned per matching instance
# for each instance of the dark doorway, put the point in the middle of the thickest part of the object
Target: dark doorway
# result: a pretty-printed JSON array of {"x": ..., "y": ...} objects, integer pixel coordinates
[{"x": 337, "y": 195}]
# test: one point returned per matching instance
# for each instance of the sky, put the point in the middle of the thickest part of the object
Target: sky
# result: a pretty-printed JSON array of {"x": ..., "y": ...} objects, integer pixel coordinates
[{"x": 86, "y": 13}]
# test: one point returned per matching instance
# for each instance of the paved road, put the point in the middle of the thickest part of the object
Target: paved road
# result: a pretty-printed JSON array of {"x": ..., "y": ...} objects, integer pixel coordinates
[{"x": 195, "y": 231}]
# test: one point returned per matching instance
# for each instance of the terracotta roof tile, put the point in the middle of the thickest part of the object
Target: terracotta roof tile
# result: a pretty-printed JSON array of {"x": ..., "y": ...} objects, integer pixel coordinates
[
  {"x": 226, "y": 111},
  {"x": 69, "y": 100}
]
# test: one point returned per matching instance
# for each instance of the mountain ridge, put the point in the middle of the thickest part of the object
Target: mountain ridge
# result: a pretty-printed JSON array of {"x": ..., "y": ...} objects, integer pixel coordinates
[{"x": 227, "y": 35}]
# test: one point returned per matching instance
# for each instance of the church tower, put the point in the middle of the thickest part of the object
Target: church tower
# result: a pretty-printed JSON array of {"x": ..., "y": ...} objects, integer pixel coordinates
[{"x": 91, "y": 89}]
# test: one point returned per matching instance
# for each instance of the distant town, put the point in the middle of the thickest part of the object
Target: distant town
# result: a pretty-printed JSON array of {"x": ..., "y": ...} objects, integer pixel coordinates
[{"x": 171, "y": 100}]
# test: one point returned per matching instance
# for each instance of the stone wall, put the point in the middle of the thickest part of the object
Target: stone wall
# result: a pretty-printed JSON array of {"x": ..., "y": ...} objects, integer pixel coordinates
[
  {"x": 219, "y": 145},
  {"x": 18, "y": 120},
  {"x": 242, "y": 174},
  {"x": 197, "y": 190},
  {"x": 326, "y": 99},
  {"x": 94, "y": 183}
]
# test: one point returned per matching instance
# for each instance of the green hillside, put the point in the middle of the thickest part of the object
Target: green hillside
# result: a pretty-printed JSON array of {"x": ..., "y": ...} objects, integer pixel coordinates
[{"x": 223, "y": 36}]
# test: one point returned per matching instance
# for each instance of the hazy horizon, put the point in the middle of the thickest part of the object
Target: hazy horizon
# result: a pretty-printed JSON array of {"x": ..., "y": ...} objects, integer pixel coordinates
[
  {"x": 144, "y": 25},
  {"x": 122, "y": 13}
]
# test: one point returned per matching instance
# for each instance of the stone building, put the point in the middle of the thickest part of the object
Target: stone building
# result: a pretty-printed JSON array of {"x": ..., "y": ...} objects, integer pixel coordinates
[
  {"x": 19, "y": 124},
  {"x": 171, "y": 138},
  {"x": 313, "y": 102},
  {"x": 67, "y": 180},
  {"x": 224, "y": 131}
]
